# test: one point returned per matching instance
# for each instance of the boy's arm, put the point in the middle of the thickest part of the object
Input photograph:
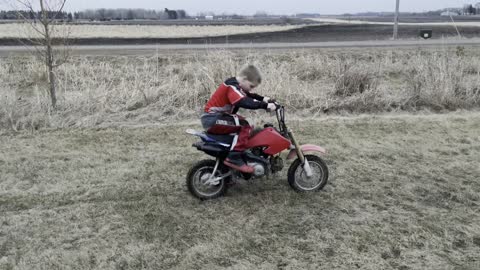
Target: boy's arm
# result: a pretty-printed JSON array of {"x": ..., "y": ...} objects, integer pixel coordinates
[
  {"x": 241, "y": 99},
  {"x": 260, "y": 98},
  {"x": 254, "y": 96},
  {"x": 249, "y": 103}
]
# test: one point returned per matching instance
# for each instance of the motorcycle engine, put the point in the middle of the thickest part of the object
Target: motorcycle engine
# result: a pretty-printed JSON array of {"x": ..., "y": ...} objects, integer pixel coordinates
[
  {"x": 259, "y": 169},
  {"x": 277, "y": 164}
]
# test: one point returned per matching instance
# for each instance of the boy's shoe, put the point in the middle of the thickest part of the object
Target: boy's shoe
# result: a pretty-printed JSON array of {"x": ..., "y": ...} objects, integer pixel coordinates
[{"x": 235, "y": 161}]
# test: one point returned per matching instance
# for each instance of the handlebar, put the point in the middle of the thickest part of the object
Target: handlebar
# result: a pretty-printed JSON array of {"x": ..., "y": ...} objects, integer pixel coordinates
[
  {"x": 279, "y": 106},
  {"x": 280, "y": 112}
]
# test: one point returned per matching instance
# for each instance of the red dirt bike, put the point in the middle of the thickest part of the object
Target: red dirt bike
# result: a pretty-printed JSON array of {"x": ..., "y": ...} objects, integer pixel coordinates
[{"x": 209, "y": 179}]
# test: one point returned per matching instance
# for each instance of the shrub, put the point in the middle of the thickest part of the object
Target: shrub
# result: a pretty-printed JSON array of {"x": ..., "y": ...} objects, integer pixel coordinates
[{"x": 354, "y": 80}]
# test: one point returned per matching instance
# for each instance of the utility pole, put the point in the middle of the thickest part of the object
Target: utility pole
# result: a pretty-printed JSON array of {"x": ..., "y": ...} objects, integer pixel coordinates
[{"x": 395, "y": 27}]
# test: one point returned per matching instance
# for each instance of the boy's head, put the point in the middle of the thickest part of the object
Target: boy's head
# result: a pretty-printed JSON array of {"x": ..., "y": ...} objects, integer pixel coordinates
[{"x": 249, "y": 77}]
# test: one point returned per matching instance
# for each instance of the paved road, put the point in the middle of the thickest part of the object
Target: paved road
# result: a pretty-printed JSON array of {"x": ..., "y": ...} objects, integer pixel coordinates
[{"x": 151, "y": 49}]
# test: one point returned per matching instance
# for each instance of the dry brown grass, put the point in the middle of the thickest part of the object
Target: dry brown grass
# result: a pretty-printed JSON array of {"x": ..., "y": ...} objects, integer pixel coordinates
[
  {"x": 16, "y": 30},
  {"x": 354, "y": 80},
  {"x": 101, "y": 90},
  {"x": 404, "y": 194}
]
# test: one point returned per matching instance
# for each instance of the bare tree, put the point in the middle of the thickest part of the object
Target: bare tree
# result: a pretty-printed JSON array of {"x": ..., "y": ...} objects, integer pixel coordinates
[
  {"x": 102, "y": 14},
  {"x": 49, "y": 12},
  {"x": 182, "y": 14},
  {"x": 469, "y": 10}
]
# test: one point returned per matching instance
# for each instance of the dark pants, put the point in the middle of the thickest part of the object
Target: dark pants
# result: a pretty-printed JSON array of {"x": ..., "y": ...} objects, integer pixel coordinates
[{"x": 226, "y": 125}]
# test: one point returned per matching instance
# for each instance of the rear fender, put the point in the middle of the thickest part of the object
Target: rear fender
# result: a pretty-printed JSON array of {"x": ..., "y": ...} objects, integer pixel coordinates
[{"x": 307, "y": 148}]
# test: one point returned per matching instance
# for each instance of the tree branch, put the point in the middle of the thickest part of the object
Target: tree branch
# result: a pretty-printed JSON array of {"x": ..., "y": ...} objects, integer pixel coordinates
[{"x": 60, "y": 9}]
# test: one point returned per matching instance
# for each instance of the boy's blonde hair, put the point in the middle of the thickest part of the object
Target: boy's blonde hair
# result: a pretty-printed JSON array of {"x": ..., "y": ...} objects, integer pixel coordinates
[{"x": 251, "y": 73}]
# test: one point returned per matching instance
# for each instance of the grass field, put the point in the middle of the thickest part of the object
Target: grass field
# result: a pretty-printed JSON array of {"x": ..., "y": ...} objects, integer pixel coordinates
[
  {"x": 99, "y": 183},
  {"x": 310, "y": 31},
  {"x": 102, "y": 90},
  {"x": 17, "y": 30},
  {"x": 404, "y": 194}
]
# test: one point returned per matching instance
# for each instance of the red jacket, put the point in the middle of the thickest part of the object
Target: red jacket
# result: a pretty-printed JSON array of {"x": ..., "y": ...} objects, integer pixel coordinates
[{"x": 229, "y": 97}]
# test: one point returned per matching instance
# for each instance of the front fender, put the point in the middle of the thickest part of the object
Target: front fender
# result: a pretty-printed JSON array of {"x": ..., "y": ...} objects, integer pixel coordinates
[{"x": 307, "y": 148}]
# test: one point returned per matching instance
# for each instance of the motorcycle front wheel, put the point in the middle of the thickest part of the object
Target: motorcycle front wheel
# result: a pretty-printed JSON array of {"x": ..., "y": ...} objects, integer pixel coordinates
[
  {"x": 297, "y": 177},
  {"x": 198, "y": 177}
]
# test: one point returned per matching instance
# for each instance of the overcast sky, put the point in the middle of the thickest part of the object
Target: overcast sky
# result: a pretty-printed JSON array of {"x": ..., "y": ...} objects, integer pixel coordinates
[{"x": 270, "y": 6}]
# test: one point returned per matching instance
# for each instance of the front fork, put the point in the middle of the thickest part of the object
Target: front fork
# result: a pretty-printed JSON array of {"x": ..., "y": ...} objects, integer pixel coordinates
[
  {"x": 301, "y": 156},
  {"x": 212, "y": 180}
]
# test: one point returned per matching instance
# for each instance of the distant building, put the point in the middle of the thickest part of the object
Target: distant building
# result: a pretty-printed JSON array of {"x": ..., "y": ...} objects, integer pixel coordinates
[{"x": 209, "y": 17}]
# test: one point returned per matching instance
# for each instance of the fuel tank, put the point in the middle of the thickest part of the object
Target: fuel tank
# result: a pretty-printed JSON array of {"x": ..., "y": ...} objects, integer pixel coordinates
[{"x": 271, "y": 139}]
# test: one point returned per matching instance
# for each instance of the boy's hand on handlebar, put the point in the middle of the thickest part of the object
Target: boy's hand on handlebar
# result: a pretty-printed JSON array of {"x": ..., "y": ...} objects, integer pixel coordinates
[{"x": 272, "y": 107}]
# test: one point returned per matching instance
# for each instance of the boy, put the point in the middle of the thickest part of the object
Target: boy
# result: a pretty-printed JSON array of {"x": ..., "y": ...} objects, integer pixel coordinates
[{"x": 222, "y": 107}]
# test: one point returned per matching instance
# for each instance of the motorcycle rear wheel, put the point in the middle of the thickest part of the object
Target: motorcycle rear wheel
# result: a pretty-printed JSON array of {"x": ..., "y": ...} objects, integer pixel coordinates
[
  {"x": 199, "y": 174},
  {"x": 298, "y": 179}
]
